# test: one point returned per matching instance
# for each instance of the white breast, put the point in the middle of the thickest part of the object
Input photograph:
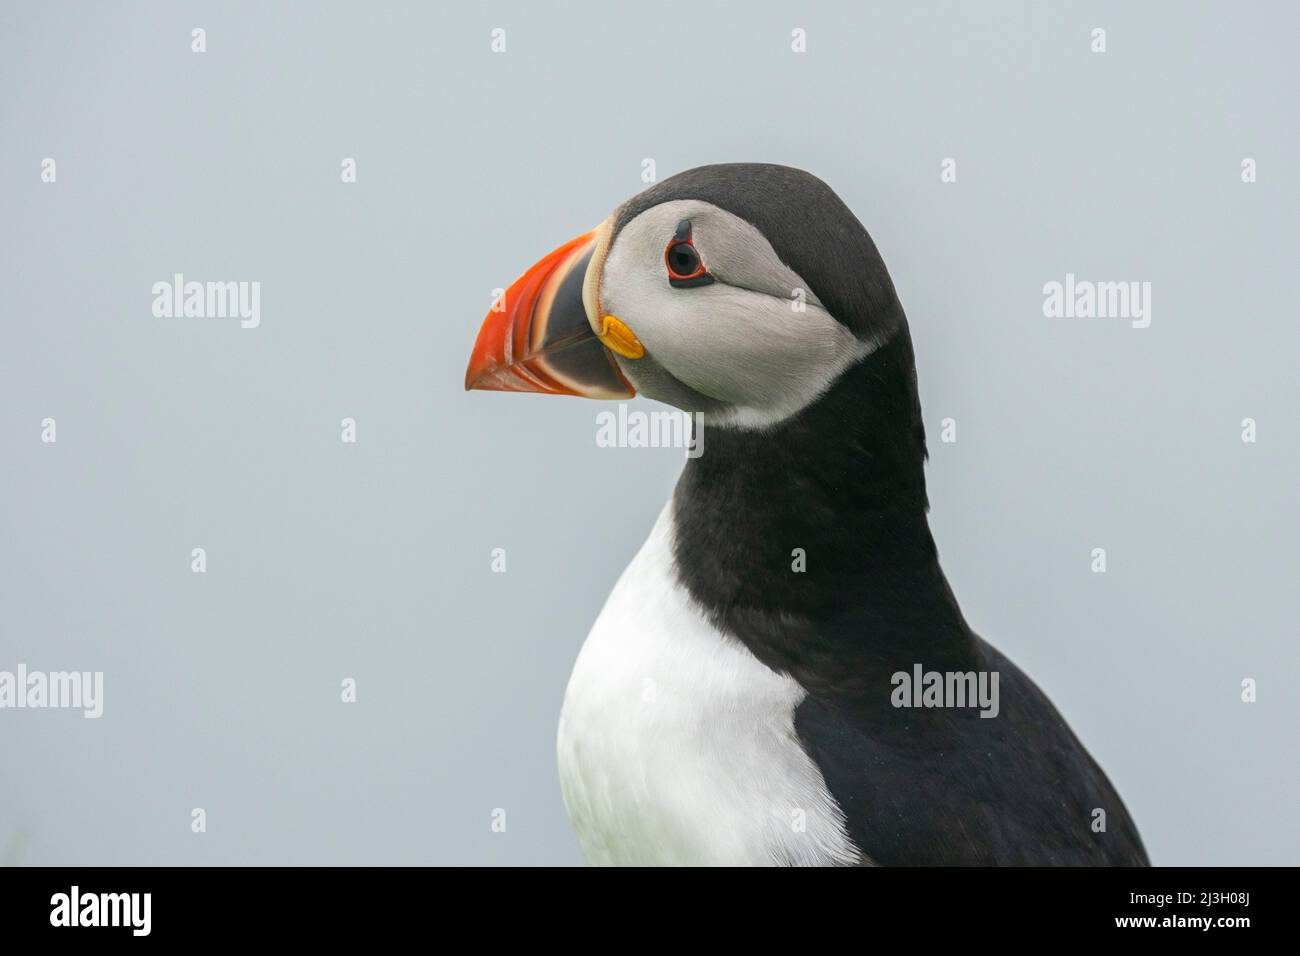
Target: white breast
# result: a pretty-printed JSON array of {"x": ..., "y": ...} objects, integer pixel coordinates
[{"x": 677, "y": 746}]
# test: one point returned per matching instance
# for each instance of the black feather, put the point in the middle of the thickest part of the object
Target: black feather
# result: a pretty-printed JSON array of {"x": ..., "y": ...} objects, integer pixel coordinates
[{"x": 844, "y": 481}]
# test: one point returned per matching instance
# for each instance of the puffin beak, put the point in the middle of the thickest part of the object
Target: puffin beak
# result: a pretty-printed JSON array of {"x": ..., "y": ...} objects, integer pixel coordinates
[{"x": 538, "y": 337}]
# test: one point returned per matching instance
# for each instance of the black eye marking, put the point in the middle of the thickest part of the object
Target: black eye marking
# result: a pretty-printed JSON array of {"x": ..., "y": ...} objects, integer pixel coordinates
[{"x": 685, "y": 267}]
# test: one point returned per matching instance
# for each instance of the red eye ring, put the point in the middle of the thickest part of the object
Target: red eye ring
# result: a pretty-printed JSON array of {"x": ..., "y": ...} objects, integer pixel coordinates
[{"x": 683, "y": 262}]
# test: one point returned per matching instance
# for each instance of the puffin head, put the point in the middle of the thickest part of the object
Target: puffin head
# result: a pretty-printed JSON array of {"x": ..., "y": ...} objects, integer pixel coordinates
[{"x": 741, "y": 290}]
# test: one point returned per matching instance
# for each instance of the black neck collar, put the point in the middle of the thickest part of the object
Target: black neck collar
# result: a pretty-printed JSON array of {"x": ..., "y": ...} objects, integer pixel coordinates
[{"x": 842, "y": 484}]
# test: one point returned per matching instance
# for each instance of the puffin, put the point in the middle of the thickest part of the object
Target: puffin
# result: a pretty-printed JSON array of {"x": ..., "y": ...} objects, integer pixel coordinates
[{"x": 745, "y": 696}]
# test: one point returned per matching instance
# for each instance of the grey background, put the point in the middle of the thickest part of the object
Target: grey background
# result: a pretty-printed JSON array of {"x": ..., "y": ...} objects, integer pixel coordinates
[{"x": 371, "y": 561}]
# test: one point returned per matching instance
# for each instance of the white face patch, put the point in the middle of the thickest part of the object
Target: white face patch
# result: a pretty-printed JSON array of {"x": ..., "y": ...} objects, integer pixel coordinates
[{"x": 756, "y": 340}]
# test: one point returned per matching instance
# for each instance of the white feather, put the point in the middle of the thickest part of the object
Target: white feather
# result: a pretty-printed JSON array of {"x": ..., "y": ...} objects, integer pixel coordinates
[{"x": 677, "y": 746}]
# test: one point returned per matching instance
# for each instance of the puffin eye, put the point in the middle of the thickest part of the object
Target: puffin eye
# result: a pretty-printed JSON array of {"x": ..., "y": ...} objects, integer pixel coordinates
[
  {"x": 685, "y": 267},
  {"x": 683, "y": 260}
]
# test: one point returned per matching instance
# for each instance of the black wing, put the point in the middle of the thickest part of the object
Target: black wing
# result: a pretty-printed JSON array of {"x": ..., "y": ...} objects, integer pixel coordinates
[{"x": 948, "y": 787}]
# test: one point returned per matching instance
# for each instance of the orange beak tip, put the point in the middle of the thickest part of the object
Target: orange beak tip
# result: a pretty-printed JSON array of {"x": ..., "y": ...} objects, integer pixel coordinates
[{"x": 537, "y": 338}]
